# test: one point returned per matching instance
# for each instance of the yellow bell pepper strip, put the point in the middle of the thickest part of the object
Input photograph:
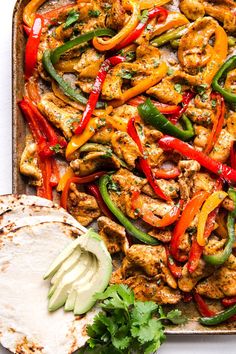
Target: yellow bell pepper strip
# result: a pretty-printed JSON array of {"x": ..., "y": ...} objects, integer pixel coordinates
[
  {"x": 104, "y": 45},
  {"x": 174, "y": 19},
  {"x": 142, "y": 86},
  {"x": 212, "y": 202},
  {"x": 78, "y": 140},
  {"x": 30, "y": 10},
  {"x": 69, "y": 173}
]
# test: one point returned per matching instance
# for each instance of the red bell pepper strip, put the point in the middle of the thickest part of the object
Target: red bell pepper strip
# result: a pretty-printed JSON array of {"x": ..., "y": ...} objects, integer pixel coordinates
[
  {"x": 176, "y": 270},
  {"x": 196, "y": 250},
  {"x": 187, "y": 97},
  {"x": 43, "y": 133},
  {"x": 223, "y": 171},
  {"x": 162, "y": 107},
  {"x": 218, "y": 123},
  {"x": 202, "y": 306},
  {"x": 167, "y": 174},
  {"x": 55, "y": 175},
  {"x": 230, "y": 301},
  {"x": 94, "y": 190},
  {"x": 27, "y": 30},
  {"x": 93, "y": 98},
  {"x": 188, "y": 214},
  {"x": 187, "y": 297},
  {"x": 45, "y": 191},
  {"x": 143, "y": 163},
  {"x": 78, "y": 180},
  {"x": 233, "y": 156},
  {"x": 32, "y": 46},
  {"x": 156, "y": 11}
]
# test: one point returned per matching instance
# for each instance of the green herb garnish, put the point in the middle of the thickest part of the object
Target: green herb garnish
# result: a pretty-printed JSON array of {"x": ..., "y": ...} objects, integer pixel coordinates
[{"x": 73, "y": 16}]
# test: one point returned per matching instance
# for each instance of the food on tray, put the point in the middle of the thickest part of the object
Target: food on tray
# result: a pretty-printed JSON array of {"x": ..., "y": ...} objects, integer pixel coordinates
[{"x": 130, "y": 107}]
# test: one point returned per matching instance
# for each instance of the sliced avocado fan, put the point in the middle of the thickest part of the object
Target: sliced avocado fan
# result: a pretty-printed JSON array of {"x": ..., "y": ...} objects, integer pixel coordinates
[{"x": 82, "y": 269}]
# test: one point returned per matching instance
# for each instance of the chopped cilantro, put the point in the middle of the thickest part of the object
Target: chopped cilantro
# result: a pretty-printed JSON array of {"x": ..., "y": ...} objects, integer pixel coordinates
[
  {"x": 213, "y": 103},
  {"x": 56, "y": 148},
  {"x": 144, "y": 16},
  {"x": 127, "y": 74},
  {"x": 170, "y": 71},
  {"x": 201, "y": 89},
  {"x": 94, "y": 13},
  {"x": 126, "y": 325},
  {"x": 149, "y": 27},
  {"x": 73, "y": 16},
  {"x": 178, "y": 88}
]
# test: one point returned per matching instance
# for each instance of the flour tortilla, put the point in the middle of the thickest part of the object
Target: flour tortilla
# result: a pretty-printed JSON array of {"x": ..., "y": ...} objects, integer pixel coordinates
[{"x": 26, "y": 326}]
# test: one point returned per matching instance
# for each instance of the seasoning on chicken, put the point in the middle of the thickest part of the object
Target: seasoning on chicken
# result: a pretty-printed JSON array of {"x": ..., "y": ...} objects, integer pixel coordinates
[{"x": 29, "y": 163}]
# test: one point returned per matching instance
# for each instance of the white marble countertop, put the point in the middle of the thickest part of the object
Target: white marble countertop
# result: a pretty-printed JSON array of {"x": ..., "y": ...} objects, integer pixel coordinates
[{"x": 174, "y": 344}]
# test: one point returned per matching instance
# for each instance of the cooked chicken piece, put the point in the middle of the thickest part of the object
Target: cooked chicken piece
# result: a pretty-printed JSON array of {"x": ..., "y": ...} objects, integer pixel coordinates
[
  {"x": 169, "y": 187},
  {"x": 188, "y": 281},
  {"x": 222, "y": 283},
  {"x": 59, "y": 113},
  {"x": 146, "y": 64},
  {"x": 116, "y": 15},
  {"x": 126, "y": 180},
  {"x": 103, "y": 135},
  {"x": 86, "y": 85},
  {"x": 185, "y": 244},
  {"x": 125, "y": 148},
  {"x": 162, "y": 235},
  {"x": 188, "y": 169},
  {"x": 130, "y": 269},
  {"x": 82, "y": 206},
  {"x": 113, "y": 235},
  {"x": 152, "y": 135},
  {"x": 201, "y": 116},
  {"x": 231, "y": 124},
  {"x": 155, "y": 155},
  {"x": 228, "y": 204},
  {"x": 221, "y": 149},
  {"x": 152, "y": 289},
  {"x": 91, "y": 16},
  {"x": 214, "y": 245},
  {"x": 125, "y": 112},
  {"x": 29, "y": 163},
  {"x": 165, "y": 92},
  {"x": 94, "y": 161},
  {"x": 223, "y": 11},
  {"x": 152, "y": 260},
  {"x": 192, "y": 9},
  {"x": 203, "y": 182},
  {"x": 202, "y": 135},
  {"x": 89, "y": 64}
]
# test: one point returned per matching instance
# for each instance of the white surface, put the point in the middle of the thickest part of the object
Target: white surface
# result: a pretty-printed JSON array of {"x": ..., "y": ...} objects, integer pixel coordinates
[{"x": 174, "y": 345}]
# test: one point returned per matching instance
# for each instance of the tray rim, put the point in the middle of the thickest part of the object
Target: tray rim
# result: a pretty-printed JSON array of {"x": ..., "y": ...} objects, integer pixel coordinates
[{"x": 15, "y": 170}]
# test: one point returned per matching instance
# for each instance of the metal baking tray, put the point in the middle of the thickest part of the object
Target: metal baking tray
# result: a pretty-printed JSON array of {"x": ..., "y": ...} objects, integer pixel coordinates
[{"x": 20, "y": 185}]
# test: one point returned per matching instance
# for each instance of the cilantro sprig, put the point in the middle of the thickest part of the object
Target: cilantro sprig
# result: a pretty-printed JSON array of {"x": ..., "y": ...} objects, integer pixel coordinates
[{"x": 125, "y": 325}]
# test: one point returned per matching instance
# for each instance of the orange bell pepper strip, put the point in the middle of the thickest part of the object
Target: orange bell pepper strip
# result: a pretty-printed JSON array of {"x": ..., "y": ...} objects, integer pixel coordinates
[
  {"x": 149, "y": 217},
  {"x": 69, "y": 173},
  {"x": 174, "y": 19},
  {"x": 30, "y": 10},
  {"x": 104, "y": 45},
  {"x": 212, "y": 202},
  {"x": 218, "y": 122},
  {"x": 78, "y": 140},
  {"x": 142, "y": 86},
  {"x": 220, "y": 52},
  {"x": 78, "y": 180},
  {"x": 190, "y": 211}
]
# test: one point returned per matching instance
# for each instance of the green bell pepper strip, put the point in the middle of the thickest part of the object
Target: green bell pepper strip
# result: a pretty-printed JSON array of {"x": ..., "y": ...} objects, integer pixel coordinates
[
  {"x": 151, "y": 115},
  {"x": 222, "y": 257},
  {"x": 230, "y": 64},
  {"x": 131, "y": 229},
  {"x": 65, "y": 86},
  {"x": 168, "y": 36},
  {"x": 57, "y": 53},
  {"x": 219, "y": 318}
]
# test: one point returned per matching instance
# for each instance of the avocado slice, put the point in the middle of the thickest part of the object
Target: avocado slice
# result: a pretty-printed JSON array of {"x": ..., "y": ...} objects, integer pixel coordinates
[
  {"x": 70, "y": 302},
  {"x": 68, "y": 265},
  {"x": 56, "y": 264},
  {"x": 85, "y": 294},
  {"x": 64, "y": 286}
]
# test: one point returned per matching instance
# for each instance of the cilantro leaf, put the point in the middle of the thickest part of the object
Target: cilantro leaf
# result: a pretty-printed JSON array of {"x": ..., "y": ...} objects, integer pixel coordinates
[
  {"x": 143, "y": 311},
  {"x": 73, "y": 16},
  {"x": 94, "y": 13},
  {"x": 176, "y": 317},
  {"x": 56, "y": 148}
]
